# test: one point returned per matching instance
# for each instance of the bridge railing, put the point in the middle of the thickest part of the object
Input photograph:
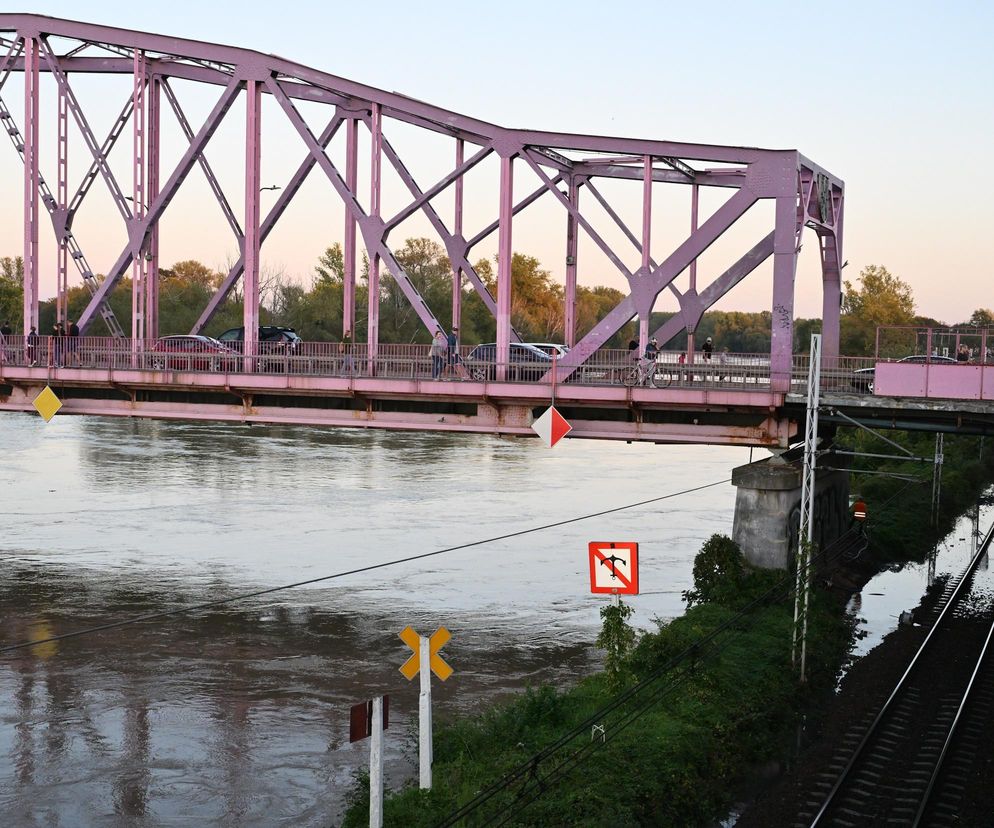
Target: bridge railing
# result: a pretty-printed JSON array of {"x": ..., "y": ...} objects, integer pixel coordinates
[
  {"x": 840, "y": 374},
  {"x": 608, "y": 367}
]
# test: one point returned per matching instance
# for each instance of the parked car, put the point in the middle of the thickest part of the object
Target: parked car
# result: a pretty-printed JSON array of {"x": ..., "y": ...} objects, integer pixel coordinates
[
  {"x": 527, "y": 363},
  {"x": 862, "y": 378},
  {"x": 192, "y": 353},
  {"x": 550, "y": 348},
  {"x": 273, "y": 339}
]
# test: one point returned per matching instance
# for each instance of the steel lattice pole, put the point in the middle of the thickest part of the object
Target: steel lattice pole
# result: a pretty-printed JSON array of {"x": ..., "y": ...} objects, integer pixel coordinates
[{"x": 805, "y": 532}]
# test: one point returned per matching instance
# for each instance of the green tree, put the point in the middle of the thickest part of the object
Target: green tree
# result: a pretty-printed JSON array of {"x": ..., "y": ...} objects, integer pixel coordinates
[
  {"x": 982, "y": 318},
  {"x": 11, "y": 290},
  {"x": 881, "y": 298}
]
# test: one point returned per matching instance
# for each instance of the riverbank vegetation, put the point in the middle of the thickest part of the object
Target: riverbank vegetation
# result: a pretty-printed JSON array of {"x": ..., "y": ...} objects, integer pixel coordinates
[{"x": 657, "y": 739}]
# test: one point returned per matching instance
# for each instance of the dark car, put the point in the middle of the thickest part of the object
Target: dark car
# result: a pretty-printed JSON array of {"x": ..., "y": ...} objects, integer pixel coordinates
[
  {"x": 862, "y": 379},
  {"x": 192, "y": 353},
  {"x": 273, "y": 339},
  {"x": 527, "y": 363}
]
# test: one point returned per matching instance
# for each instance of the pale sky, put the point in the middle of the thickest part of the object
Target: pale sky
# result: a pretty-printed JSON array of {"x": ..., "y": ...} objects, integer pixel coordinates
[{"x": 893, "y": 98}]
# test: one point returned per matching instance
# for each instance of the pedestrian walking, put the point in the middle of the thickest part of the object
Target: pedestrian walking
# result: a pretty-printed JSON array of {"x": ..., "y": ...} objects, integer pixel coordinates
[
  {"x": 723, "y": 365},
  {"x": 6, "y": 330},
  {"x": 31, "y": 350},
  {"x": 438, "y": 350}
]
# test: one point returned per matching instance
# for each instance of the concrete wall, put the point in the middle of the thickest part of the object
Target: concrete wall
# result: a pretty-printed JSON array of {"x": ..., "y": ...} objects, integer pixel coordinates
[{"x": 768, "y": 509}]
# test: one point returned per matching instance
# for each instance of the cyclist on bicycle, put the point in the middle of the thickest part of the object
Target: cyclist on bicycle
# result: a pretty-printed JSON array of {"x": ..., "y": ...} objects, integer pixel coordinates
[{"x": 652, "y": 349}]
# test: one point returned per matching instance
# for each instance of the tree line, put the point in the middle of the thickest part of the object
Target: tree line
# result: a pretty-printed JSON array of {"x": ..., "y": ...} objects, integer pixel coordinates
[{"x": 877, "y": 298}]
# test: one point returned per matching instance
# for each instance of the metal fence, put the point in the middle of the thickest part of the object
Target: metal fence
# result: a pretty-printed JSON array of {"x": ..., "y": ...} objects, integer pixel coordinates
[{"x": 607, "y": 367}]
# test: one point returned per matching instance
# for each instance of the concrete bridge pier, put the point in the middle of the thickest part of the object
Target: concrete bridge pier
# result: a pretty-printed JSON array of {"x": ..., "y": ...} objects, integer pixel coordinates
[{"x": 768, "y": 509}]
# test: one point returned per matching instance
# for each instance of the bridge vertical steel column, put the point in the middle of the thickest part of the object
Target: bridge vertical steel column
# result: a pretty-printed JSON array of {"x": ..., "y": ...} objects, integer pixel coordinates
[
  {"x": 457, "y": 231},
  {"x": 784, "y": 270},
  {"x": 32, "y": 116},
  {"x": 253, "y": 161},
  {"x": 375, "y": 169},
  {"x": 695, "y": 203},
  {"x": 138, "y": 264},
  {"x": 153, "y": 132},
  {"x": 351, "y": 180},
  {"x": 831, "y": 274},
  {"x": 572, "y": 246},
  {"x": 504, "y": 263},
  {"x": 62, "y": 197},
  {"x": 646, "y": 312}
]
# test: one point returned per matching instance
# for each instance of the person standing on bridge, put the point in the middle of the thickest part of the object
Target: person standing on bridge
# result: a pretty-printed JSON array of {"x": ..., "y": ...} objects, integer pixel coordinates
[
  {"x": 962, "y": 353},
  {"x": 439, "y": 347},
  {"x": 707, "y": 349},
  {"x": 452, "y": 351},
  {"x": 72, "y": 345},
  {"x": 345, "y": 352},
  {"x": 31, "y": 349}
]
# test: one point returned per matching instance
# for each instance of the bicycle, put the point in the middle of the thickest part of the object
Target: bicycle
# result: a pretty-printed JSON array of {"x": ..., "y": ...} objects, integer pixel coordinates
[{"x": 646, "y": 372}]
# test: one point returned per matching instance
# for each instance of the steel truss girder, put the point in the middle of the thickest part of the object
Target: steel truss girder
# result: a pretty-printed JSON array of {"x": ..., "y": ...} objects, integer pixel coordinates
[{"x": 814, "y": 196}]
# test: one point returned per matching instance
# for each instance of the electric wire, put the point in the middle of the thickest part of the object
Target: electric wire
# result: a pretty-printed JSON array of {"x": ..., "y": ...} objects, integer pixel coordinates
[{"x": 154, "y": 616}]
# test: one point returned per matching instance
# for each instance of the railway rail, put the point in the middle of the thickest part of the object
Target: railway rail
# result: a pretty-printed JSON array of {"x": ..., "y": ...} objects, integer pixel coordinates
[{"x": 911, "y": 763}]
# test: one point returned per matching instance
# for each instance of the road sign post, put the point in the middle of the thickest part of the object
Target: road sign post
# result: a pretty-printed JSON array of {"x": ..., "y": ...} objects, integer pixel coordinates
[
  {"x": 424, "y": 710},
  {"x": 376, "y": 766},
  {"x": 371, "y": 718},
  {"x": 425, "y": 660}
]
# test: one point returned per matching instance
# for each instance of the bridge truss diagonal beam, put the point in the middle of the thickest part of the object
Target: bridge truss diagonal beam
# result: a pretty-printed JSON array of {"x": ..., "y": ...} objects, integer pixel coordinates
[
  {"x": 159, "y": 204},
  {"x": 372, "y": 227},
  {"x": 274, "y": 215}
]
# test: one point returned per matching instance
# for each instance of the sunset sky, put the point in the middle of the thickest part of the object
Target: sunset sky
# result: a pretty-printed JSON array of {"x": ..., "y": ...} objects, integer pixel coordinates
[{"x": 894, "y": 98}]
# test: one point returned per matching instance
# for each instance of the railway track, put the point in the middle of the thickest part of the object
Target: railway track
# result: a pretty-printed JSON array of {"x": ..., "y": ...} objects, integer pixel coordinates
[{"x": 911, "y": 763}]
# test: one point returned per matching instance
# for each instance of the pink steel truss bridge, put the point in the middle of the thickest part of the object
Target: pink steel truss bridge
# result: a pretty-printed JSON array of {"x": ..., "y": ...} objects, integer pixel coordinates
[{"x": 563, "y": 167}]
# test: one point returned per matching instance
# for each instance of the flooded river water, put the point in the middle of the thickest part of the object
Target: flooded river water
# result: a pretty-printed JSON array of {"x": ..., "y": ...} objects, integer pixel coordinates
[{"x": 239, "y": 715}]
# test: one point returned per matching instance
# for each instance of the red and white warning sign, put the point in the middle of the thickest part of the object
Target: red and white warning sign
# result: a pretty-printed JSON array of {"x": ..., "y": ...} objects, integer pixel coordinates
[
  {"x": 614, "y": 567},
  {"x": 551, "y": 426}
]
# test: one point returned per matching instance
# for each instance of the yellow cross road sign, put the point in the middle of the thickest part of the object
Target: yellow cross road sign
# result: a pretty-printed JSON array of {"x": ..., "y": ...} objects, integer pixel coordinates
[
  {"x": 413, "y": 664},
  {"x": 47, "y": 404}
]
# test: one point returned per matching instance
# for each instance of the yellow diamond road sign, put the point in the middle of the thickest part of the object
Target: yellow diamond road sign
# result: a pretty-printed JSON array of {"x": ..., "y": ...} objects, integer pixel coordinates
[
  {"x": 438, "y": 664},
  {"x": 47, "y": 404}
]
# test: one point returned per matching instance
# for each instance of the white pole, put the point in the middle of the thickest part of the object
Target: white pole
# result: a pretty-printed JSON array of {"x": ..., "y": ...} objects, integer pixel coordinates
[
  {"x": 424, "y": 709},
  {"x": 615, "y": 599},
  {"x": 376, "y": 766}
]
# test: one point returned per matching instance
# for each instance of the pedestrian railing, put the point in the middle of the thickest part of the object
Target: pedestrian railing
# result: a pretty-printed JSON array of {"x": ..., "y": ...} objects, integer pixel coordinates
[{"x": 606, "y": 367}]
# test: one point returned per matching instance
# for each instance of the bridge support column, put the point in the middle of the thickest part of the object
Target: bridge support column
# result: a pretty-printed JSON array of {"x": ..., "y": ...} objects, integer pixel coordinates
[
  {"x": 457, "y": 231},
  {"x": 572, "y": 245},
  {"x": 62, "y": 199},
  {"x": 646, "y": 313},
  {"x": 152, "y": 157},
  {"x": 139, "y": 269},
  {"x": 375, "y": 167},
  {"x": 784, "y": 271},
  {"x": 504, "y": 262},
  {"x": 768, "y": 510},
  {"x": 695, "y": 201},
  {"x": 351, "y": 180},
  {"x": 831, "y": 274},
  {"x": 253, "y": 161},
  {"x": 31, "y": 182}
]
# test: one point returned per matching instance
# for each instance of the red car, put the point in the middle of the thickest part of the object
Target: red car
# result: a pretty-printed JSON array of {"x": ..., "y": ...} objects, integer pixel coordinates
[{"x": 192, "y": 353}]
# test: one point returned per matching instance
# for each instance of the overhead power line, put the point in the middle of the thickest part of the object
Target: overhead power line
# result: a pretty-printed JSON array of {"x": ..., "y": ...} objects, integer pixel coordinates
[{"x": 153, "y": 616}]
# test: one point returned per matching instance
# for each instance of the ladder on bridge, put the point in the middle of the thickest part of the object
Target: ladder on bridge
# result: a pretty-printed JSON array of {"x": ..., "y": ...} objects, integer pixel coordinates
[{"x": 89, "y": 279}]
